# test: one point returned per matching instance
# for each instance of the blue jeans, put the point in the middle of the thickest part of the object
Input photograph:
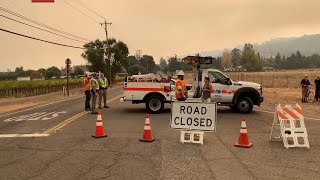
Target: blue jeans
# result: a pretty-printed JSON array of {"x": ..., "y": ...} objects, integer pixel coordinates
[{"x": 88, "y": 98}]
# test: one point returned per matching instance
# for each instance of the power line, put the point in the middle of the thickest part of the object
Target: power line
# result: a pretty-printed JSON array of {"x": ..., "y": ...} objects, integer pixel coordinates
[
  {"x": 18, "y": 34},
  {"x": 41, "y": 29},
  {"x": 81, "y": 11},
  {"x": 39, "y": 23},
  {"x": 88, "y": 8}
]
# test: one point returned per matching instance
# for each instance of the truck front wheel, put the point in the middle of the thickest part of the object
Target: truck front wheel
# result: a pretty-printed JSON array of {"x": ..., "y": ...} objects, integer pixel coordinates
[
  {"x": 154, "y": 104},
  {"x": 244, "y": 105}
]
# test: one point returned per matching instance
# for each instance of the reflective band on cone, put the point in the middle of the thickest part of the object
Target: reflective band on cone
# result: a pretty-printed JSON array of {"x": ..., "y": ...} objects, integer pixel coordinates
[
  {"x": 99, "y": 127},
  {"x": 243, "y": 137},
  {"x": 147, "y": 133}
]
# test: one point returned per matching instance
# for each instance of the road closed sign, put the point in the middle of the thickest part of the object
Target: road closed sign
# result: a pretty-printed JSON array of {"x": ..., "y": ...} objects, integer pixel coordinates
[{"x": 194, "y": 116}]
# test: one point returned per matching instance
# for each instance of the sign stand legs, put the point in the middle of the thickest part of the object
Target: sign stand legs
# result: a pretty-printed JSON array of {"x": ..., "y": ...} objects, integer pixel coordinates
[{"x": 192, "y": 137}]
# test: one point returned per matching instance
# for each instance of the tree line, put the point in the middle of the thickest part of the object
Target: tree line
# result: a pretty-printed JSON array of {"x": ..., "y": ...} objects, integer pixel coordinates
[
  {"x": 295, "y": 61},
  {"x": 41, "y": 73},
  {"x": 251, "y": 60}
]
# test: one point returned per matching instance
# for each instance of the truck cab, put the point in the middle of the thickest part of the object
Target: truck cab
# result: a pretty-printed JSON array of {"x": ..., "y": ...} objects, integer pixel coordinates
[{"x": 238, "y": 95}]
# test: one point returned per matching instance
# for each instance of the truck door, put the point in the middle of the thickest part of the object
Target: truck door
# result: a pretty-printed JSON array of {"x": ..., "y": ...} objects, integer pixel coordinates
[{"x": 223, "y": 87}]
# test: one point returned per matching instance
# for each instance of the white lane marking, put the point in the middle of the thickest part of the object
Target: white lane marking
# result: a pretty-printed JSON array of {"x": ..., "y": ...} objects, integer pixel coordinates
[
  {"x": 48, "y": 104},
  {"x": 23, "y": 135},
  {"x": 269, "y": 112},
  {"x": 36, "y": 116}
]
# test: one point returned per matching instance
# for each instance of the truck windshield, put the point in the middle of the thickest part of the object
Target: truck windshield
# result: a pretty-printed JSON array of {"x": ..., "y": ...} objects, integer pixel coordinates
[{"x": 217, "y": 77}]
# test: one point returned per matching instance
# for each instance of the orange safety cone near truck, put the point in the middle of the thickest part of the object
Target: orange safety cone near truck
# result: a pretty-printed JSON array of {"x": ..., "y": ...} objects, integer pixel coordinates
[
  {"x": 243, "y": 138},
  {"x": 147, "y": 133},
  {"x": 99, "y": 127}
]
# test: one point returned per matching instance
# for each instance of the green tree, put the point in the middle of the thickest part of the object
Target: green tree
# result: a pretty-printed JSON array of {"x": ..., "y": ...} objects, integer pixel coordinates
[
  {"x": 36, "y": 75},
  {"x": 78, "y": 71},
  {"x": 278, "y": 61},
  {"x": 163, "y": 64},
  {"x": 53, "y": 72},
  {"x": 236, "y": 57},
  {"x": 19, "y": 71},
  {"x": 149, "y": 64},
  {"x": 249, "y": 59},
  {"x": 95, "y": 54},
  {"x": 134, "y": 69},
  {"x": 175, "y": 64},
  {"x": 42, "y": 71}
]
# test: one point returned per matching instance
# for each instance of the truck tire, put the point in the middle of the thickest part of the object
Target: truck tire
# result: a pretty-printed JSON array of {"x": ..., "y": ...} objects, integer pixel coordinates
[
  {"x": 154, "y": 104},
  {"x": 244, "y": 105}
]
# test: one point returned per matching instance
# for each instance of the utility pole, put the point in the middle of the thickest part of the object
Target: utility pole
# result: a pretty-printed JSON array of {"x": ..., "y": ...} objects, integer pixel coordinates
[
  {"x": 105, "y": 24},
  {"x": 138, "y": 56},
  {"x": 68, "y": 63}
]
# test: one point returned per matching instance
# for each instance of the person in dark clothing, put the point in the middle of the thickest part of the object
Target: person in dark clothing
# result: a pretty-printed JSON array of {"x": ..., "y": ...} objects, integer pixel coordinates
[
  {"x": 206, "y": 90},
  {"x": 317, "y": 92},
  {"x": 305, "y": 83}
]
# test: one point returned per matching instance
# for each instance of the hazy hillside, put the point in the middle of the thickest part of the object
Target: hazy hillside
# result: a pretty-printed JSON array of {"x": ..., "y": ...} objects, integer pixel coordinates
[{"x": 307, "y": 45}]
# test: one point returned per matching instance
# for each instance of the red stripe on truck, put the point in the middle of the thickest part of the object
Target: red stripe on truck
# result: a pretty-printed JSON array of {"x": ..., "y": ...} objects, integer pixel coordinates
[{"x": 143, "y": 89}]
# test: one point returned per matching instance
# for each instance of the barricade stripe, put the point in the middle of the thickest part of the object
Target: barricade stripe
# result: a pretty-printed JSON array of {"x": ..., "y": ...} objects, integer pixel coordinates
[
  {"x": 290, "y": 113},
  {"x": 281, "y": 115},
  {"x": 298, "y": 110}
]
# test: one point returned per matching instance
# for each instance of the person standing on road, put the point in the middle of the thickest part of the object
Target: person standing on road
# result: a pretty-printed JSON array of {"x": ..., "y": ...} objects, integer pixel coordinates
[
  {"x": 95, "y": 91},
  {"x": 305, "y": 83},
  {"x": 86, "y": 88},
  {"x": 317, "y": 92},
  {"x": 103, "y": 87},
  {"x": 181, "y": 89},
  {"x": 206, "y": 90}
]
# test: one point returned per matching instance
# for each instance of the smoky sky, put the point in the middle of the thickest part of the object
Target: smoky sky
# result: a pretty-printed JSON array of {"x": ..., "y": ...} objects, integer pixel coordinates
[{"x": 158, "y": 28}]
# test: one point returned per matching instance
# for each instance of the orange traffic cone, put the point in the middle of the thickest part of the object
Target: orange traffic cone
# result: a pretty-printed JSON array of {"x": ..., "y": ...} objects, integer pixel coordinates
[
  {"x": 99, "y": 127},
  {"x": 243, "y": 138},
  {"x": 147, "y": 134}
]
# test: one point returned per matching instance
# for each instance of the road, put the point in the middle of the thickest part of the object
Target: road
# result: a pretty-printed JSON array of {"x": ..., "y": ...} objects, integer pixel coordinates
[{"x": 66, "y": 150}]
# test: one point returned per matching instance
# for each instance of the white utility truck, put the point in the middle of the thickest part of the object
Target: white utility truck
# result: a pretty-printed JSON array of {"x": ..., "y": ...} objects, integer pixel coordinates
[
  {"x": 145, "y": 89},
  {"x": 240, "y": 96}
]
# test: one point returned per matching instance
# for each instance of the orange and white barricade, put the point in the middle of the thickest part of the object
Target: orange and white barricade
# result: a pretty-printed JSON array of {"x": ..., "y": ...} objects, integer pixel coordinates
[{"x": 289, "y": 119}]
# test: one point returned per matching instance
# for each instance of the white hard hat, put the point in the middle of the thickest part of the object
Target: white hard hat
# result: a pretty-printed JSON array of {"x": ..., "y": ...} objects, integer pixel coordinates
[
  {"x": 180, "y": 73},
  {"x": 87, "y": 73}
]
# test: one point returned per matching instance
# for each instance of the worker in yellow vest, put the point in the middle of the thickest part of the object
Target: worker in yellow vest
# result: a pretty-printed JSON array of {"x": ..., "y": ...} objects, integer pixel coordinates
[
  {"x": 86, "y": 89},
  {"x": 103, "y": 87},
  {"x": 94, "y": 92},
  {"x": 181, "y": 89}
]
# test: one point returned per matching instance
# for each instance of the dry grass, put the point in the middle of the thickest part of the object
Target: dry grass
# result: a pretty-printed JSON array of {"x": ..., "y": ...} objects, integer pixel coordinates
[
  {"x": 278, "y": 79},
  {"x": 286, "y": 96}
]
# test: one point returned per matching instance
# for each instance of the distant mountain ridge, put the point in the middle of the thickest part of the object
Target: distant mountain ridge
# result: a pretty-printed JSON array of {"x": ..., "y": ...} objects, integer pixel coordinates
[{"x": 307, "y": 45}]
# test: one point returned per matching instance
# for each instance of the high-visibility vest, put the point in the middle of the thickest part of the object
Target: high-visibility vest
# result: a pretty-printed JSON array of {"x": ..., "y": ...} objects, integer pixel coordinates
[
  {"x": 104, "y": 82},
  {"x": 180, "y": 85},
  {"x": 96, "y": 82},
  {"x": 86, "y": 84}
]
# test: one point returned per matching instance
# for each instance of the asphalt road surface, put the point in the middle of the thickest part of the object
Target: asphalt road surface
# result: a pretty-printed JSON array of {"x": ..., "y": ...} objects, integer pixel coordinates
[{"x": 54, "y": 142}]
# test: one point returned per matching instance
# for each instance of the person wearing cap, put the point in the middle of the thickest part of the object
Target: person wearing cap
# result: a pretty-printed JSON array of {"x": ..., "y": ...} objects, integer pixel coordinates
[
  {"x": 181, "y": 89},
  {"x": 317, "y": 91},
  {"x": 103, "y": 87},
  {"x": 86, "y": 89},
  {"x": 95, "y": 91},
  {"x": 305, "y": 83}
]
